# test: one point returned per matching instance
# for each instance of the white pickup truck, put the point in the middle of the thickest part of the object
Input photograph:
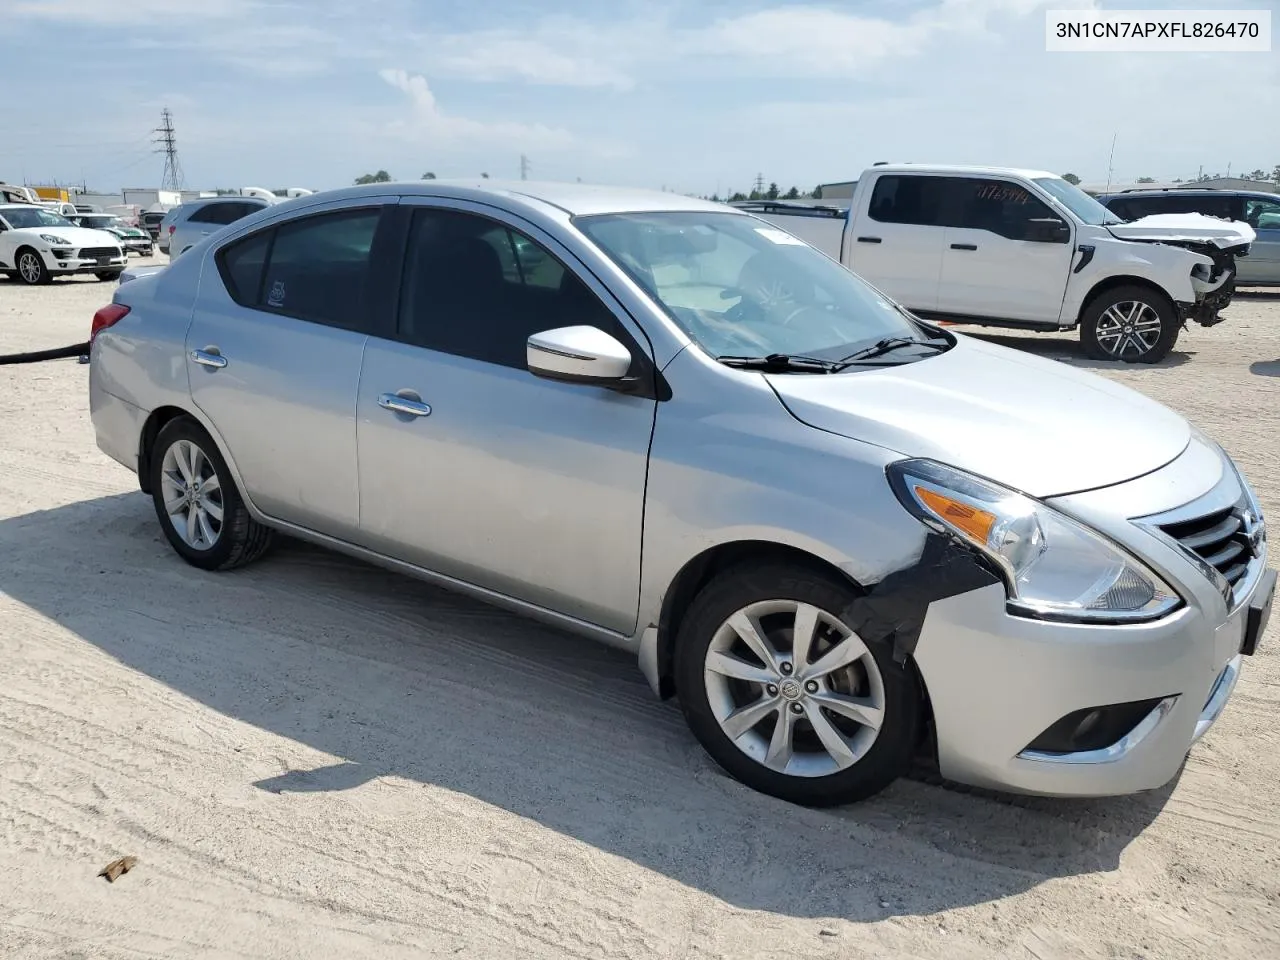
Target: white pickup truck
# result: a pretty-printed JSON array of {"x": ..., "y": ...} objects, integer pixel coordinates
[{"x": 1025, "y": 249}]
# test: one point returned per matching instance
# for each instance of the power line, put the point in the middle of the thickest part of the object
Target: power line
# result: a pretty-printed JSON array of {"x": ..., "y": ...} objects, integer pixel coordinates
[{"x": 167, "y": 143}]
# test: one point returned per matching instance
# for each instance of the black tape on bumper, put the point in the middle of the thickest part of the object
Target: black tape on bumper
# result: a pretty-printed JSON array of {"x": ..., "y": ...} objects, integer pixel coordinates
[
  {"x": 896, "y": 606},
  {"x": 61, "y": 353}
]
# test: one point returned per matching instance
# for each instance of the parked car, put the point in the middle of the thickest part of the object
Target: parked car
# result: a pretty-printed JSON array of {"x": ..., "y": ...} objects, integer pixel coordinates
[
  {"x": 1260, "y": 210},
  {"x": 150, "y": 221},
  {"x": 37, "y": 244},
  {"x": 837, "y": 532},
  {"x": 132, "y": 239},
  {"x": 87, "y": 208},
  {"x": 1026, "y": 249},
  {"x": 185, "y": 226}
]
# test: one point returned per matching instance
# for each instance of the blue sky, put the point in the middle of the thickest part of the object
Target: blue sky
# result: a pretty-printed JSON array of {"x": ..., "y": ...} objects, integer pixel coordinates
[{"x": 693, "y": 96}]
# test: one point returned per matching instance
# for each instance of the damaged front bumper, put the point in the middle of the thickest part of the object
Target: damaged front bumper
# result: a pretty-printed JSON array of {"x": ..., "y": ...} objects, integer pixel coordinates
[{"x": 1214, "y": 291}]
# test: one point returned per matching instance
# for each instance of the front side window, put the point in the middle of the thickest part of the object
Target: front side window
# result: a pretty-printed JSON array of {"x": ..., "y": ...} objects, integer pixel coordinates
[
  {"x": 1262, "y": 214},
  {"x": 314, "y": 268},
  {"x": 475, "y": 288},
  {"x": 740, "y": 287},
  {"x": 1001, "y": 207}
]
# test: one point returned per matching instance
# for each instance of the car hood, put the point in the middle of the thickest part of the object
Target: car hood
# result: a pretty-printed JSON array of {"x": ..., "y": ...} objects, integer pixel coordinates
[
  {"x": 1194, "y": 227},
  {"x": 1036, "y": 425},
  {"x": 75, "y": 236}
]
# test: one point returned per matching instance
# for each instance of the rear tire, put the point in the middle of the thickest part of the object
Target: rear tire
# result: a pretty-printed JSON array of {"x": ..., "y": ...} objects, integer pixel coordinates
[
  {"x": 1133, "y": 324},
  {"x": 772, "y": 725},
  {"x": 197, "y": 503}
]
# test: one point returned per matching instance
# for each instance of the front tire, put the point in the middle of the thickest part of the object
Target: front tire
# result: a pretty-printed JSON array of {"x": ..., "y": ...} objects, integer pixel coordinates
[
  {"x": 782, "y": 692},
  {"x": 1131, "y": 323},
  {"x": 106, "y": 275},
  {"x": 31, "y": 268},
  {"x": 199, "y": 507}
]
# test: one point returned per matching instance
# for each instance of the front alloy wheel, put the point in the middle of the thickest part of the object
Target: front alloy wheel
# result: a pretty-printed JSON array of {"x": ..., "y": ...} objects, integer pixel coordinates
[
  {"x": 31, "y": 268},
  {"x": 1132, "y": 324},
  {"x": 782, "y": 691}
]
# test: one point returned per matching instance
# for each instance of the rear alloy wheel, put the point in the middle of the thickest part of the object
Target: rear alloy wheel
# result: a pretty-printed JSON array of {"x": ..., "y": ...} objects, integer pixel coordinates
[
  {"x": 785, "y": 695},
  {"x": 1132, "y": 324},
  {"x": 31, "y": 268},
  {"x": 197, "y": 503}
]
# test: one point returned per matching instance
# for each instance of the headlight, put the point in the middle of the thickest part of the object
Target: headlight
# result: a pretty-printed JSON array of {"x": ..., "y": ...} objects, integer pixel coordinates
[
  {"x": 1054, "y": 567},
  {"x": 51, "y": 238}
]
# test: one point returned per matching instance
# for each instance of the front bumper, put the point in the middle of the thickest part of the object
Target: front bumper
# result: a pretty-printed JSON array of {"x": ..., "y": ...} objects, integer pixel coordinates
[
  {"x": 74, "y": 263},
  {"x": 997, "y": 682}
]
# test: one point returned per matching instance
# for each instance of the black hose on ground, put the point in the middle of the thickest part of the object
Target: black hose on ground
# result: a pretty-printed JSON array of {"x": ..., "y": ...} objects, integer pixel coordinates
[{"x": 36, "y": 356}]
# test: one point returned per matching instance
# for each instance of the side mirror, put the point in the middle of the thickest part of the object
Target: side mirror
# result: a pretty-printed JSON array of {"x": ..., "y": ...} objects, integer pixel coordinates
[
  {"x": 583, "y": 354},
  {"x": 1048, "y": 230}
]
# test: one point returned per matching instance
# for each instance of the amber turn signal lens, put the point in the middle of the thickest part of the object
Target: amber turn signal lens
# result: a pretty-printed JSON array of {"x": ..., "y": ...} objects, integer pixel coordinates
[{"x": 976, "y": 523}]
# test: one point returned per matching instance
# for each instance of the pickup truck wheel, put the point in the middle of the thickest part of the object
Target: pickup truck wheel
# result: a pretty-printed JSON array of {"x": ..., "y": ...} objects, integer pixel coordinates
[
  {"x": 200, "y": 510},
  {"x": 1134, "y": 324},
  {"x": 778, "y": 687}
]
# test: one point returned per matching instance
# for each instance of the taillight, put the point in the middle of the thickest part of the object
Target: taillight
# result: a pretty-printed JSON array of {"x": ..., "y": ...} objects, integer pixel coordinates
[
  {"x": 108, "y": 316},
  {"x": 172, "y": 227}
]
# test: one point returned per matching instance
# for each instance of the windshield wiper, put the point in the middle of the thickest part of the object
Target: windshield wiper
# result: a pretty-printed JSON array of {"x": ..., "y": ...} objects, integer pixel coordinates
[
  {"x": 782, "y": 363},
  {"x": 880, "y": 348}
]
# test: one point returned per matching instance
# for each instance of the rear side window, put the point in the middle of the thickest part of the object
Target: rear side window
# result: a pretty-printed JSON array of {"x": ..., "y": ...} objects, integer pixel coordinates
[
  {"x": 998, "y": 206},
  {"x": 1135, "y": 208},
  {"x": 315, "y": 268},
  {"x": 908, "y": 199},
  {"x": 223, "y": 213}
]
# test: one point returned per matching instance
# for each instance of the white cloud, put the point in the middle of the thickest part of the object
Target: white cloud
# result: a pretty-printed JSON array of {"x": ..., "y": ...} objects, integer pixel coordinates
[
  {"x": 134, "y": 11},
  {"x": 430, "y": 123}
]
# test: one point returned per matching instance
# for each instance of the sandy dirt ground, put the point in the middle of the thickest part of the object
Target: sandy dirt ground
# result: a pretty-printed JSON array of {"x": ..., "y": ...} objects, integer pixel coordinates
[{"x": 314, "y": 758}]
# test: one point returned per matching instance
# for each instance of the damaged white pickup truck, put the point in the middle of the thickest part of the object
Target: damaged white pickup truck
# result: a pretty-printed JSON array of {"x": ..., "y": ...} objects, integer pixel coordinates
[{"x": 1024, "y": 249}]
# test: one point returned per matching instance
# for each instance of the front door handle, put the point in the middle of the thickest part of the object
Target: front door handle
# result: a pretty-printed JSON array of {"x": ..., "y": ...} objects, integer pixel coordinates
[
  {"x": 207, "y": 359},
  {"x": 399, "y": 404},
  {"x": 964, "y": 246},
  {"x": 868, "y": 239}
]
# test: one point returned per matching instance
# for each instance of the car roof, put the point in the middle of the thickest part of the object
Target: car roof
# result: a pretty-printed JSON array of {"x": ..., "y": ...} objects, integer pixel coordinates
[
  {"x": 1191, "y": 192},
  {"x": 575, "y": 199},
  {"x": 969, "y": 169}
]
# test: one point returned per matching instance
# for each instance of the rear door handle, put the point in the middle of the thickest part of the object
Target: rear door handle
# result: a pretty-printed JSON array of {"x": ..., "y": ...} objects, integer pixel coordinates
[
  {"x": 399, "y": 404},
  {"x": 868, "y": 239},
  {"x": 207, "y": 359},
  {"x": 964, "y": 246}
]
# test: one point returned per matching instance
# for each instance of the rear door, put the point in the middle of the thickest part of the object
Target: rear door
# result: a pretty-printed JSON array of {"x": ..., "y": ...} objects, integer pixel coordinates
[
  {"x": 1262, "y": 265},
  {"x": 895, "y": 240},
  {"x": 273, "y": 355},
  {"x": 990, "y": 265}
]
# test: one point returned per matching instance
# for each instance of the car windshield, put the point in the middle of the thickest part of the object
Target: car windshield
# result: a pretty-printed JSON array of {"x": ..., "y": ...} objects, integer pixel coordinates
[
  {"x": 21, "y": 218},
  {"x": 742, "y": 288},
  {"x": 1085, "y": 207}
]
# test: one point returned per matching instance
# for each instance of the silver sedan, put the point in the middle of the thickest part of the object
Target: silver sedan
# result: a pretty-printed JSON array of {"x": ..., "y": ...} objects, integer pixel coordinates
[{"x": 841, "y": 536}]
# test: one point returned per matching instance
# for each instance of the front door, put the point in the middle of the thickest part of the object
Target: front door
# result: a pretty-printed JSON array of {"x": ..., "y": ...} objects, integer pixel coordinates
[
  {"x": 471, "y": 466},
  {"x": 989, "y": 267},
  {"x": 273, "y": 355},
  {"x": 1262, "y": 265}
]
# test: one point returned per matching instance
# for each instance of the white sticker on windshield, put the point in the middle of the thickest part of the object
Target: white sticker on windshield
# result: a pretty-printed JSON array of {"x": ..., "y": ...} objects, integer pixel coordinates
[{"x": 779, "y": 236}]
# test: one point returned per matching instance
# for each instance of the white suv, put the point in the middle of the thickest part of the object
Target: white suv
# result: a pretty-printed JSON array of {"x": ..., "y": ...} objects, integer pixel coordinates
[
  {"x": 37, "y": 244},
  {"x": 185, "y": 226}
]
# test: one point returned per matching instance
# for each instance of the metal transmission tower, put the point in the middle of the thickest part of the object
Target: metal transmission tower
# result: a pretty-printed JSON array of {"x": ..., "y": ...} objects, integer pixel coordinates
[
  {"x": 760, "y": 184},
  {"x": 524, "y": 167},
  {"x": 167, "y": 143}
]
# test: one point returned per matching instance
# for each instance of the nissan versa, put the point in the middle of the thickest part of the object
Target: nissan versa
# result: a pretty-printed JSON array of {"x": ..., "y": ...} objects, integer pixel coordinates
[{"x": 838, "y": 534}]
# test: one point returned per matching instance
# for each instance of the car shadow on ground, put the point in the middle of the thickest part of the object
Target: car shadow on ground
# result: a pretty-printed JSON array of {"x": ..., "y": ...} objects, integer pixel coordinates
[
  {"x": 1069, "y": 351},
  {"x": 402, "y": 680},
  {"x": 1265, "y": 368}
]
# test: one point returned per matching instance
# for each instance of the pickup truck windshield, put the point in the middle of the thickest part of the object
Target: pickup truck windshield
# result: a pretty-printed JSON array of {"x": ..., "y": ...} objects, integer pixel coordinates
[
  {"x": 742, "y": 288},
  {"x": 1087, "y": 209}
]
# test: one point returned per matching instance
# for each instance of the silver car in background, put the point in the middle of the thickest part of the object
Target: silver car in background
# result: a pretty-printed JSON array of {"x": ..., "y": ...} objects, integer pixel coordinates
[
  {"x": 839, "y": 535},
  {"x": 186, "y": 225}
]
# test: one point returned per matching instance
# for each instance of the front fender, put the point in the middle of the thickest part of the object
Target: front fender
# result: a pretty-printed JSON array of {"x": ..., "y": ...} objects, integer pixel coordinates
[{"x": 1161, "y": 265}]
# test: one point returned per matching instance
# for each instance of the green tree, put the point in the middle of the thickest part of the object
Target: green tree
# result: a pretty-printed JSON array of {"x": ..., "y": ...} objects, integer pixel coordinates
[
  {"x": 484, "y": 176},
  {"x": 1146, "y": 180},
  {"x": 817, "y": 192},
  {"x": 380, "y": 177},
  {"x": 428, "y": 175},
  {"x": 755, "y": 195},
  {"x": 792, "y": 194},
  {"x": 1071, "y": 178},
  {"x": 715, "y": 198},
  {"x": 1275, "y": 174},
  {"x": 772, "y": 192},
  {"x": 1258, "y": 174},
  {"x": 738, "y": 197}
]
